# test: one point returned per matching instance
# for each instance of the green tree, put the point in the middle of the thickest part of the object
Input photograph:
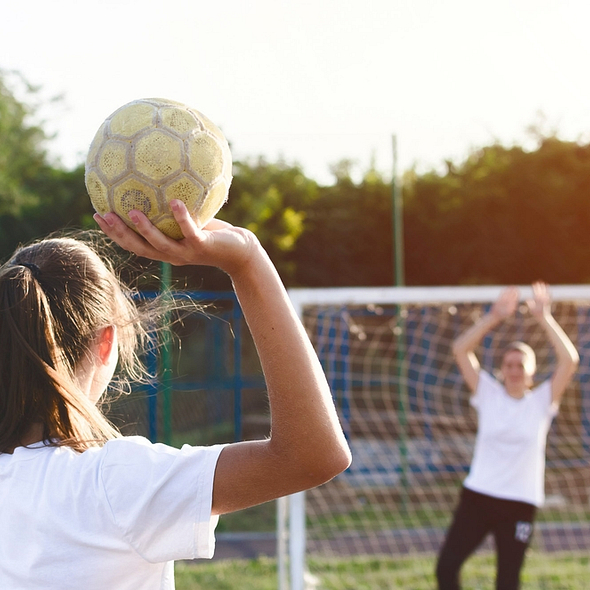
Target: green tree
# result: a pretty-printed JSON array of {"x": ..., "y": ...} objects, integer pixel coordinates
[
  {"x": 347, "y": 238},
  {"x": 22, "y": 155},
  {"x": 36, "y": 198},
  {"x": 272, "y": 200},
  {"x": 505, "y": 215}
]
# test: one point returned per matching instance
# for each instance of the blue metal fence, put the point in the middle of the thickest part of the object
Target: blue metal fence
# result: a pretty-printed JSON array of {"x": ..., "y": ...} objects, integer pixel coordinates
[{"x": 224, "y": 330}]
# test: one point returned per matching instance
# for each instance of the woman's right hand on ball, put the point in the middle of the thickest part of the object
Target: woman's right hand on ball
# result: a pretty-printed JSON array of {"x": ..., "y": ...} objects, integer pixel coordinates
[{"x": 217, "y": 244}]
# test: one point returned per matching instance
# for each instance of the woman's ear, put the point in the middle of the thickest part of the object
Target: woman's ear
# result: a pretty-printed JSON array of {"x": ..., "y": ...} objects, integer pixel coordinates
[{"x": 107, "y": 340}]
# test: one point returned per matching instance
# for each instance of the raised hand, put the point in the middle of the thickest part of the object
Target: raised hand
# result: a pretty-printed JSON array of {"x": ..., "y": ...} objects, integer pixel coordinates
[
  {"x": 218, "y": 244},
  {"x": 540, "y": 304},
  {"x": 506, "y": 303}
]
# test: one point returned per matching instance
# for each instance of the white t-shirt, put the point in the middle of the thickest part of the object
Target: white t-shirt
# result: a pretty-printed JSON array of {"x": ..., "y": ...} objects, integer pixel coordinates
[
  {"x": 509, "y": 456},
  {"x": 110, "y": 518}
]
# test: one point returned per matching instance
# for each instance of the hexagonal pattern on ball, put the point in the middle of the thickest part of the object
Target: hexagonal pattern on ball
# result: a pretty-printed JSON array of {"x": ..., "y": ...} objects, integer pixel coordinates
[
  {"x": 212, "y": 203},
  {"x": 112, "y": 159},
  {"x": 96, "y": 144},
  {"x": 203, "y": 157},
  {"x": 98, "y": 193},
  {"x": 178, "y": 120},
  {"x": 209, "y": 125},
  {"x": 158, "y": 154},
  {"x": 132, "y": 118},
  {"x": 131, "y": 194},
  {"x": 187, "y": 190}
]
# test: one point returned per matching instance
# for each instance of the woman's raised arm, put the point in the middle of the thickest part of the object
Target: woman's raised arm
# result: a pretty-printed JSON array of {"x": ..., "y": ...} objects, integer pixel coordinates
[
  {"x": 565, "y": 351},
  {"x": 306, "y": 446},
  {"x": 464, "y": 346}
]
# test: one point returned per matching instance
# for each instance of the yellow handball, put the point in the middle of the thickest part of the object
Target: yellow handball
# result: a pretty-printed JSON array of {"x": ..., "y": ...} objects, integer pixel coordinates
[{"x": 151, "y": 151}]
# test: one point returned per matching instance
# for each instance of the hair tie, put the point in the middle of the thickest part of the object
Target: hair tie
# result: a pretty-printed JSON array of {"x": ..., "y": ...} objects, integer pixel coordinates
[{"x": 35, "y": 270}]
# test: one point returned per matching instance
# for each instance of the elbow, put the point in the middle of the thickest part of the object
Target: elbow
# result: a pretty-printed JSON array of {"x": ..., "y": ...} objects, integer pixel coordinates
[
  {"x": 457, "y": 348},
  {"x": 575, "y": 363},
  {"x": 461, "y": 349},
  {"x": 327, "y": 465},
  {"x": 334, "y": 463},
  {"x": 341, "y": 461},
  {"x": 575, "y": 359},
  {"x": 572, "y": 359},
  {"x": 571, "y": 366}
]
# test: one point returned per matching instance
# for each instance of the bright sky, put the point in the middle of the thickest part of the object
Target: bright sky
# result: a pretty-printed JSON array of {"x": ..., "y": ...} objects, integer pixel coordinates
[{"x": 313, "y": 81}]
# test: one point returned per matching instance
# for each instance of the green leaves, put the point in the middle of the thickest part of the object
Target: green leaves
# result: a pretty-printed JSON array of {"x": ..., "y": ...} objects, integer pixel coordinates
[
  {"x": 503, "y": 216},
  {"x": 21, "y": 148},
  {"x": 271, "y": 199}
]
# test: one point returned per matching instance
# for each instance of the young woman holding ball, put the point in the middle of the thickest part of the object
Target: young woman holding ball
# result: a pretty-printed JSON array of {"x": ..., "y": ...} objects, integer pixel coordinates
[{"x": 84, "y": 507}]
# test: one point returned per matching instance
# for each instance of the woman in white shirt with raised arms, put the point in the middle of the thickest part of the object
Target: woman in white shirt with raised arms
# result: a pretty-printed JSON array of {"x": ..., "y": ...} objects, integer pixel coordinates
[{"x": 505, "y": 484}]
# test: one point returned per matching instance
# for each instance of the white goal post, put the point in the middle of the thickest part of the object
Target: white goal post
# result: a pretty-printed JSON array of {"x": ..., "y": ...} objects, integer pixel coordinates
[{"x": 405, "y": 421}]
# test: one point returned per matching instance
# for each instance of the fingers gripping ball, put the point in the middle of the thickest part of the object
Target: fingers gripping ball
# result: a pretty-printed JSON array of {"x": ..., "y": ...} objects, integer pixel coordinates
[{"x": 151, "y": 151}]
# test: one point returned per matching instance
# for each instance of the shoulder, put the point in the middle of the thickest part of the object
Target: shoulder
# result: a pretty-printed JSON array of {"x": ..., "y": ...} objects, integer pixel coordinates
[
  {"x": 487, "y": 382},
  {"x": 486, "y": 385},
  {"x": 135, "y": 451},
  {"x": 136, "y": 458},
  {"x": 543, "y": 387},
  {"x": 125, "y": 452},
  {"x": 128, "y": 445}
]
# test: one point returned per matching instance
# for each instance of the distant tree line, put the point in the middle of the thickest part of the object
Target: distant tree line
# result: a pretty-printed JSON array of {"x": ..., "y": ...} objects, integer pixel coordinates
[{"x": 504, "y": 215}]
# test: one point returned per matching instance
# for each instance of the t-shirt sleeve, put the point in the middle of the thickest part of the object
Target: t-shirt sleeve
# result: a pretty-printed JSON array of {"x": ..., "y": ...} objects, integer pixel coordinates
[
  {"x": 160, "y": 497},
  {"x": 485, "y": 384},
  {"x": 544, "y": 394}
]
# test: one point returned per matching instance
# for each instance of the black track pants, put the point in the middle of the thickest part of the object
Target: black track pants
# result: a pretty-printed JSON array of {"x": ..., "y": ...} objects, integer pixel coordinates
[{"x": 510, "y": 522}]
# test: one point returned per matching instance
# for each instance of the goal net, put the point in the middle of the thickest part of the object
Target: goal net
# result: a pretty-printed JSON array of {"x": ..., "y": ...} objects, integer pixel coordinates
[{"x": 405, "y": 411}]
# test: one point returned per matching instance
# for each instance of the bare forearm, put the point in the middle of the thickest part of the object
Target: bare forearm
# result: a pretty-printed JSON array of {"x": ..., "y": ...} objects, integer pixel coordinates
[
  {"x": 302, "y": 412},
  {"x": 307, "y": 446},
  {"x": 563, "y": 346},
  {"x": 469, "y": 339}
]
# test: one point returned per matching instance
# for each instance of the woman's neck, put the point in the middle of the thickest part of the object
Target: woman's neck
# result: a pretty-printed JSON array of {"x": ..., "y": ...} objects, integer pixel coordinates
[
  {"x": 516, "y": 392},
  {"x": 33, "y": 435}
]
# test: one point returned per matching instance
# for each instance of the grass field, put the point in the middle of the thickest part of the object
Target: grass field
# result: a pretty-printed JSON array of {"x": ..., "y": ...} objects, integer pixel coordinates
[{"x": 541, "y": 572}]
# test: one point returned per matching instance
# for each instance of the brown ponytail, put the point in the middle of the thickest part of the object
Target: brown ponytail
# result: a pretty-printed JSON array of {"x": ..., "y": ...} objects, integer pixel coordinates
[{"x": 55, "y": 295}]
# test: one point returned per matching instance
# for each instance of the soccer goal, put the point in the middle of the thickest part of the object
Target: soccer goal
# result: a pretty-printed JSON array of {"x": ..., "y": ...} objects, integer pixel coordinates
[{"x": 405, "y": 411}]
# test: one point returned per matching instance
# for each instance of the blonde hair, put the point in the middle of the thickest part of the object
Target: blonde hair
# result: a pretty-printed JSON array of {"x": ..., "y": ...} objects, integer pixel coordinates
[{"x": 55, "y": 295}]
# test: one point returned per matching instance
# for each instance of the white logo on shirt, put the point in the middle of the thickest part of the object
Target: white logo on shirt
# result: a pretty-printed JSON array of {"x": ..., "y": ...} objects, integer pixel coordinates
[{"x": 524, "y": 530}]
